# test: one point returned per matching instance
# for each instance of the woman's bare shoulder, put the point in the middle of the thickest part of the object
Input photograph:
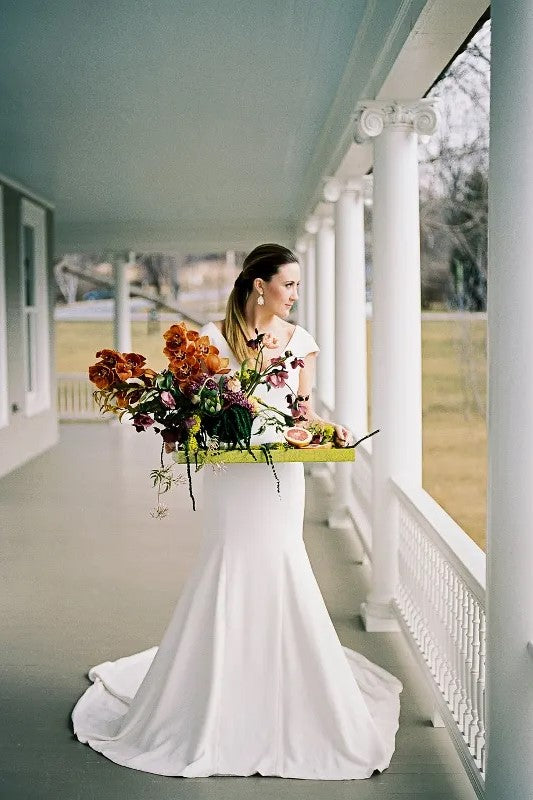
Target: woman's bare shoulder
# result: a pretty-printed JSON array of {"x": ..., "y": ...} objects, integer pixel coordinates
[{"x": 218, "y": 323}]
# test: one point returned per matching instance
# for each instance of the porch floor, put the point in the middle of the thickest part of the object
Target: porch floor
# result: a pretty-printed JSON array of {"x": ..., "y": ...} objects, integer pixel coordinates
[{"x": 88, "y": 576}]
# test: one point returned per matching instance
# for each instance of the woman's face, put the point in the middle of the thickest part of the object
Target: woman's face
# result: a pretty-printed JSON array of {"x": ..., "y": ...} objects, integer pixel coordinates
[{"x": 281, "y": 291}]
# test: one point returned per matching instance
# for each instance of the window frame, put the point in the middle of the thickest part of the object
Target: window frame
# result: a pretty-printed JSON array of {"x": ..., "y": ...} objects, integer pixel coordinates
[{"x": 37, "y": 397}]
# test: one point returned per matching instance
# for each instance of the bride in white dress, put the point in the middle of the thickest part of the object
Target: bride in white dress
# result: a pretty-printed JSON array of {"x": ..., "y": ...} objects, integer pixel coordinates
[{"x": 250, "y": 676}]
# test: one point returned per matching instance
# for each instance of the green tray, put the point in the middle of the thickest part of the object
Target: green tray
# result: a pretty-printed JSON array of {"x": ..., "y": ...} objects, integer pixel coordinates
[{"x": 305, "y": 454}]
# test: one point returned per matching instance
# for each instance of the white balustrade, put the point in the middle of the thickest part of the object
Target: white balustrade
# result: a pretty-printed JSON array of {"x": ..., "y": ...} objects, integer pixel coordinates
[
  {"x": 75, "y": 399},
  {"x": 440, "y": 601}
]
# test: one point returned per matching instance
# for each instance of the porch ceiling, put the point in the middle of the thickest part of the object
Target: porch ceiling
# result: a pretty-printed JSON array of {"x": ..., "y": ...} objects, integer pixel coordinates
[{"x": 183, "y": 123}]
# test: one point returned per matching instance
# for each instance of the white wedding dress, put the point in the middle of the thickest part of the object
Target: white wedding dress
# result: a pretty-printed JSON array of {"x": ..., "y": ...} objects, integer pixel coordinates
[{"x": 250, "y": 676}]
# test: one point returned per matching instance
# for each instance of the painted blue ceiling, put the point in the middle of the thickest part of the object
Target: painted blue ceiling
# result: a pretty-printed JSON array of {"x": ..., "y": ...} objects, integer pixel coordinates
[{"x": 148, "y": 112}]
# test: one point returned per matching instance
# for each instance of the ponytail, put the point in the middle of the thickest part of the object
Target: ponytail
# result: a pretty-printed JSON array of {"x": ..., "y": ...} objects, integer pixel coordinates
[{"x": 234, "y": 327}]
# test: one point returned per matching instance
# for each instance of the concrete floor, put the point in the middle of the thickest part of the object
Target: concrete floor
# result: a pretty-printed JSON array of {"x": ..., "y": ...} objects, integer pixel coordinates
[{"x": 88, "y": 576}]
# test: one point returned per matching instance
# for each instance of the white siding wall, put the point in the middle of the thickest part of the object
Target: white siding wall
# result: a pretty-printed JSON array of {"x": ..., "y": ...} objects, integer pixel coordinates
[{"x": 30, "y": 419}]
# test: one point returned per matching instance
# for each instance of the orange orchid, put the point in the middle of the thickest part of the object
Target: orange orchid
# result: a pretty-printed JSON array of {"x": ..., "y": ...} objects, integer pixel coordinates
[
  {"x": 110, "y": 357},
  {"x": 102, "y": 375},
  {"x": 216, "y": 365},
  {"x": 176, "y": 337},
  {"x": 135, "y": 362},
  {"x": 205, "y": 348}
]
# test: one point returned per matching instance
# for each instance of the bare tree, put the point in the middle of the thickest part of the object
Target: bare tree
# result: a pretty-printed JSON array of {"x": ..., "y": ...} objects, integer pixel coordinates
[{"x": 453, "y": 202}]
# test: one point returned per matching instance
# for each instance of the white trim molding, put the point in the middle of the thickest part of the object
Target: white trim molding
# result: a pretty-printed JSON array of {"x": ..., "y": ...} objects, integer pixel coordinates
[
  {"x": 4, "y": 415},
  {"x": 34, "y": 302},
  {"x": 20, "y": 187}
]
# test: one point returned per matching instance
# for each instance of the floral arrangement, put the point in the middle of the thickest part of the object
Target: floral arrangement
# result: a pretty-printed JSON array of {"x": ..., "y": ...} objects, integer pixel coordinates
[
  {"x": 194, "y": 403},
  {"x": 322, "y": 433}
]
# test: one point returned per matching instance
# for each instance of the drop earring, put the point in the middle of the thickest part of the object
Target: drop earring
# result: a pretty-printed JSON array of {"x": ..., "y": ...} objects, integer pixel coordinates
[{"x": 260, "y": 300}]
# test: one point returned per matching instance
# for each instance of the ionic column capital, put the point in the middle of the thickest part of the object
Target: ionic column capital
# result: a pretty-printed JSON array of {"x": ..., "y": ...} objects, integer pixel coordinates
[
  {"x": 311, "y": 225},
  {"x": 334, "y": 187},
  {"x": 373, "y": 116}
]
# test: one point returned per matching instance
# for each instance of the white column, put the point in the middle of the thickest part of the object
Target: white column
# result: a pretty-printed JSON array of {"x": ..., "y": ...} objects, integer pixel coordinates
[
  {"x": 311, "y": 227},
  {"x": 396, "y": 333},
  {"x": 325, "y": 311},
  {"x": 510, "y": 402},
  {"x": 122, "y": 316},
  {"x": 301, "y": 250},
  {"x": 350, "y": 329}
]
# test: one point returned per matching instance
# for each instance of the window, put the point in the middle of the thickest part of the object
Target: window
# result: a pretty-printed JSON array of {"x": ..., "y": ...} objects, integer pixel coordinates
[
  {"x": 36, "y": 335},
  {"x": 3, "y": 328}
]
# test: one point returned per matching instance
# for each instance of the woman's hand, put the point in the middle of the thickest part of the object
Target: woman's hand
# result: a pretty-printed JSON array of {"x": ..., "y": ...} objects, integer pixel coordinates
[{"x": 343, "y": 437}]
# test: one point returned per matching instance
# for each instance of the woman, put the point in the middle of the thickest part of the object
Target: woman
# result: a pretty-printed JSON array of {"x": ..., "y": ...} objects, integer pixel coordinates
[{"x": 250, "y": 676}]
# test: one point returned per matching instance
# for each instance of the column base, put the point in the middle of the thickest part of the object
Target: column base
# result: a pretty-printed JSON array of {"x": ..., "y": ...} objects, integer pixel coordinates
[
  {"x": 340, "y": 519},
  {"x": 378, "y": 617}
]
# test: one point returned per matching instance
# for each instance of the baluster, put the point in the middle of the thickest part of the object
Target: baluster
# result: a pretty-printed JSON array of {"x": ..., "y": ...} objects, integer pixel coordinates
[
  {"x": 417, "y": 632},
  {"x": 474, "y": 677},
  {"x": 480, "y": 736},
  {"x": 446, "y": 601},
  {"x": 425, "y": 594},
  {"x": 463, "y": 622},
  {"x": 456, "y": 646},
  {"x": 467, "y": 717},
  {"x": 441, "y": 614},
  {"x": 432, "y": 621},
  {"x": 411, "y": 579}
]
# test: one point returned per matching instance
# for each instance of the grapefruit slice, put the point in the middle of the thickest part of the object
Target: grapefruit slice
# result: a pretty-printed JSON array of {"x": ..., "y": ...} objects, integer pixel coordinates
[{"x": 298, "y": 436}]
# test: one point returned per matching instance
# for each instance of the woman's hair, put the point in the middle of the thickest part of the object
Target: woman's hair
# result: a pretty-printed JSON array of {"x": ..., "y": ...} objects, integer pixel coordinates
[{"x": 263, "y": 262}]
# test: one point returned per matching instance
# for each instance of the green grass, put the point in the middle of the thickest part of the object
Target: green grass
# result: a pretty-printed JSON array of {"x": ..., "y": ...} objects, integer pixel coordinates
[{"x": 453, "y": 397}]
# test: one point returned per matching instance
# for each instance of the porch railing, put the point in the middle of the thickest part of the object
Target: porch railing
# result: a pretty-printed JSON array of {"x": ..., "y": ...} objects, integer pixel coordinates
[
  {"x": 440, "y": 604},
  {"x": 75, "y": 401}
]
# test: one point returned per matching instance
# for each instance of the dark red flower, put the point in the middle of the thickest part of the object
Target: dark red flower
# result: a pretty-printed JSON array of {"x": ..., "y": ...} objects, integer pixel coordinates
[
  {"x": 142, "y": 421},
  {"x": 277, "y": 378}
]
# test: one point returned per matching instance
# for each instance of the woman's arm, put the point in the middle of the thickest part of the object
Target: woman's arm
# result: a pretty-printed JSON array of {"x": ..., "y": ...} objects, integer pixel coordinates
[{"x": 343, "y": 436}]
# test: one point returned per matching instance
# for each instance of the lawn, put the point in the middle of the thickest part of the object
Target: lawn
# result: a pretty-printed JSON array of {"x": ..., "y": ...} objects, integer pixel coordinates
[{"x": 453, "y": 395}]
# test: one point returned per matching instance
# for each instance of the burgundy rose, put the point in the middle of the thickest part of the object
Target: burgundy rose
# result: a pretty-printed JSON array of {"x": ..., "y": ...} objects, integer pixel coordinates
[{"x": 297, "y": 362}]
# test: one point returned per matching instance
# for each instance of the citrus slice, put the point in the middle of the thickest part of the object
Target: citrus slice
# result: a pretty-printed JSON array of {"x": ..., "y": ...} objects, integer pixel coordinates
[{"x": 297, "y": 436}]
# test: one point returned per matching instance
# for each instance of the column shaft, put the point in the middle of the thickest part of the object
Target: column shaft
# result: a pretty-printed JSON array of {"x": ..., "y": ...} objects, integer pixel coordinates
[
  {"x": 301, "y": 304},
  {"x": 510, "y": 403},
  {"x": 396, "y": 352},
  {"x": 350, "y": 334},
  {"x": 122, "y": 316},
  {"x": 309, "y": 277},
  {"x": 325, "y": 311}
]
